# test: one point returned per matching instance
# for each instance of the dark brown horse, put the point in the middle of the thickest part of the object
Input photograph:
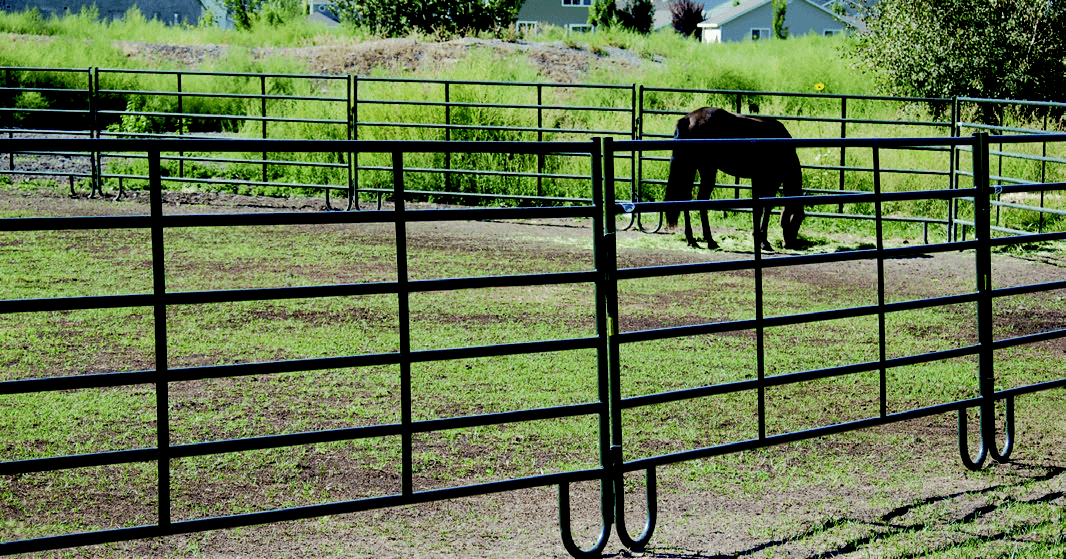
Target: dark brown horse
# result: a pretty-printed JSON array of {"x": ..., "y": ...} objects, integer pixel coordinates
[{"x": 767, "y": 165}]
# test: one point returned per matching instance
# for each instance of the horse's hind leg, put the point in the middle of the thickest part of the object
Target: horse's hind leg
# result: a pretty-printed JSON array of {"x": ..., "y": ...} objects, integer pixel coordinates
[
  {"x": 708, "y": 176},
  {"x": 711, "y": 244}
]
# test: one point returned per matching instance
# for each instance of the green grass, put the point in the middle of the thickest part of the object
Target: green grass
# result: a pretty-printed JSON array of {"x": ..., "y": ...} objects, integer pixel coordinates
[
  {"x": 91, "y": 263},
  {"x": 797, "y": 65}
]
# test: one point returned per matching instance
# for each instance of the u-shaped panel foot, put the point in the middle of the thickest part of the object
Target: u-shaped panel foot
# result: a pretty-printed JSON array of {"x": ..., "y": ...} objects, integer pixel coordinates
[
  {"x": 1008, "y": 427},
  {"x": 568, "y": 537},
  {"x": 988, "y": 441},
  {"x": 651, "y": 492},
  {"x": 964, "y": 446},
  {"x": 643, "y": 229}
]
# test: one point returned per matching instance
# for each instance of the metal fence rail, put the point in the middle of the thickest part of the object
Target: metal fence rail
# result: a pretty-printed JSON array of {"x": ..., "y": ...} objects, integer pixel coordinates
[
  {"x": 163, "y": 104},
  {"x": 602, "y": 282},
  {"x": 163, "y": 301}
]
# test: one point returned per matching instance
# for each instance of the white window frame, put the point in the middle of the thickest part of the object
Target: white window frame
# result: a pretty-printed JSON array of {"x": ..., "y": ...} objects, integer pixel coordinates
[
  {"x": 831, "y": 32},
  {"x": 577, "y": 3},
  {"x": 762, "y": 31},
  {"x": 525, "y": 26},
  {"x": 579, "y": 27}
]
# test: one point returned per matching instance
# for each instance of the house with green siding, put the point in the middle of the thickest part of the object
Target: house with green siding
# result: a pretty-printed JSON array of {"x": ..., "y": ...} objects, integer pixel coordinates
[
  {"x": 573, "y": 15},
  {"x": 752, "y": 20},
  {"x": 171, "y": 12}
]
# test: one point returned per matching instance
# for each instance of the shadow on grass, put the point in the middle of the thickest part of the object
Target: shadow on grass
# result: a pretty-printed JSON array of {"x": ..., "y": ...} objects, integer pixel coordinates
[{"x": 979, "y": 518}]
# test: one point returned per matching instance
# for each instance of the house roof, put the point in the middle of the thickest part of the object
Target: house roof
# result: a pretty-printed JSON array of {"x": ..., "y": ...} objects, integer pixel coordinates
[
  {"x": 730, "y": 10},
  {"x": 319, "y": 17}
]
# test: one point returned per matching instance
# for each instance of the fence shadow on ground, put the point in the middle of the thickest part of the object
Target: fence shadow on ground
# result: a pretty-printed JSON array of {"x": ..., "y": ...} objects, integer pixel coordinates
[{"x": 992, "y": 516}]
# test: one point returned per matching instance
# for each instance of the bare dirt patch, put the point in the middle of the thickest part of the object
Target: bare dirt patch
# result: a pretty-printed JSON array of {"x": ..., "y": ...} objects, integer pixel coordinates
[{"x": 555, "y": 62}]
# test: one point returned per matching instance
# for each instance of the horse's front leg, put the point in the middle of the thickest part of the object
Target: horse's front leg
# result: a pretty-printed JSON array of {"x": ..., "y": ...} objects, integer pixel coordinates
[
  {"x": 759, "y": 189},
  {"x": 688, "y": 233}
]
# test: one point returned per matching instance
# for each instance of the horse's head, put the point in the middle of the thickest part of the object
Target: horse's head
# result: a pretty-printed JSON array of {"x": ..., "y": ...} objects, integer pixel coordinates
[
  {"x": 791, "y": 219},
  {"x": 682, "y": 173},
  {"x": 678, "y": 185}
]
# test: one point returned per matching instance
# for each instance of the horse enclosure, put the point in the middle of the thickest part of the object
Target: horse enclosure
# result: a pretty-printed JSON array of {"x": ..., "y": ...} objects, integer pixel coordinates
[
  {"x": 580, "y": 363},
  {"x": 142, "y": 104}
]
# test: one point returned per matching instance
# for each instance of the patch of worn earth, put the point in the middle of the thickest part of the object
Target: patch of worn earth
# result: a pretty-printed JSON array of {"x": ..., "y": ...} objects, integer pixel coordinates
[{"x": 556, "y": 61}]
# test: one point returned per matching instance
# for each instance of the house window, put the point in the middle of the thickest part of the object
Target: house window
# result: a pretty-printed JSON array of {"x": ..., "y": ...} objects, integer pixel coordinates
[
  {"x": 525, "y": 27},
  {"x": 831, "y": 32},
  {"x": 760, "y": 34},
  {"x": 579, "y": 27},
  {"x": 578, "y": 3}
]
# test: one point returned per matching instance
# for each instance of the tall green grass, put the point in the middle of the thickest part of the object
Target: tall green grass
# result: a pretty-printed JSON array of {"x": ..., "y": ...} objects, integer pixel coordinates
[
  {"x": 134, "y": 26},
  {"x": 804, "y": 66}
]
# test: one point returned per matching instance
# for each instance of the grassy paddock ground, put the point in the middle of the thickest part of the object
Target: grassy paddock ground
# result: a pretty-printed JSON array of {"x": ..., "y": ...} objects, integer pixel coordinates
[{"x": 892, "y": 491}]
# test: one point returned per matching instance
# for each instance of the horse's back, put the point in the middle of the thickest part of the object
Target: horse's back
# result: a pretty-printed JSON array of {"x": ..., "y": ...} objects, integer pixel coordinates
[
  {"x": 714, "y": 122},
  {"x": 775, "y": 162}
]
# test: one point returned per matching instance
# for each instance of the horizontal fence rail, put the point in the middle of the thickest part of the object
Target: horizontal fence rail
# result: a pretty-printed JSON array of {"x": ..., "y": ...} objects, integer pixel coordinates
[
  {"x": 164, "y": 301},
  {"x": 599, "y": 282},
  {"x": 102, "y": 102}
]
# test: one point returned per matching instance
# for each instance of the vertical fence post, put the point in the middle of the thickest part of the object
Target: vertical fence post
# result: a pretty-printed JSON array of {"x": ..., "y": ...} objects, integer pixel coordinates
[
  {"x": 159, "y": 304},
  {"x": 760, "y": 329},
  {"x": 540, "y": 138},
  {"x": 633, "y": 155},
  {"x": 353, "y": 134},
  {"x": 953, "y": 170},
  {"x": 638, "y": 134},
  {"x": 96, "y": 185},
  {"x": 263, "y": 114},
  {"x": 348, "y": 122},
  {"x": 607, "y": 296},
  {"x": 983, "y": 265},
  {"x": 181, "y": 128},
  {"x": 843, "y": 150},
  {"x": 10, "y": 121},
  {"x": 999, "y": 173},
  {"x": 1043, "y": 174},
  {"x": 602, "y": 216},
  {"x": 403, "y": 308},
  {"x": 608, "y": 267},
  {"x": 881, "y": 326},
  {"x": 447, "y": 135}
]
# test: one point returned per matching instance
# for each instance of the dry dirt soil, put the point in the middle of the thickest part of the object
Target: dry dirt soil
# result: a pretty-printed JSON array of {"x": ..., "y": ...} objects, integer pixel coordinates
[{"x": 555, "y": 62}]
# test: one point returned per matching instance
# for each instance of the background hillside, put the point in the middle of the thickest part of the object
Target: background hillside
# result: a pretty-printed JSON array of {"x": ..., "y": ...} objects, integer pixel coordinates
[{"x": 614, "y": 56}]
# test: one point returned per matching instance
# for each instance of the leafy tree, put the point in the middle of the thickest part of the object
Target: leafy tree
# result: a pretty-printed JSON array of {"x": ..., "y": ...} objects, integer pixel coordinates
[
  {"x": 603, "y": 13},
  {"x": 392, "y": 18},
  {"x": 779, "y": 7},
  {"x": 1004, "y": 49},
  {"x": 686, "y": 16},
  {"x": 245, "y": 13},
  {"x": 241, "y": 12},
  {"x": 637, "y": 15}
]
